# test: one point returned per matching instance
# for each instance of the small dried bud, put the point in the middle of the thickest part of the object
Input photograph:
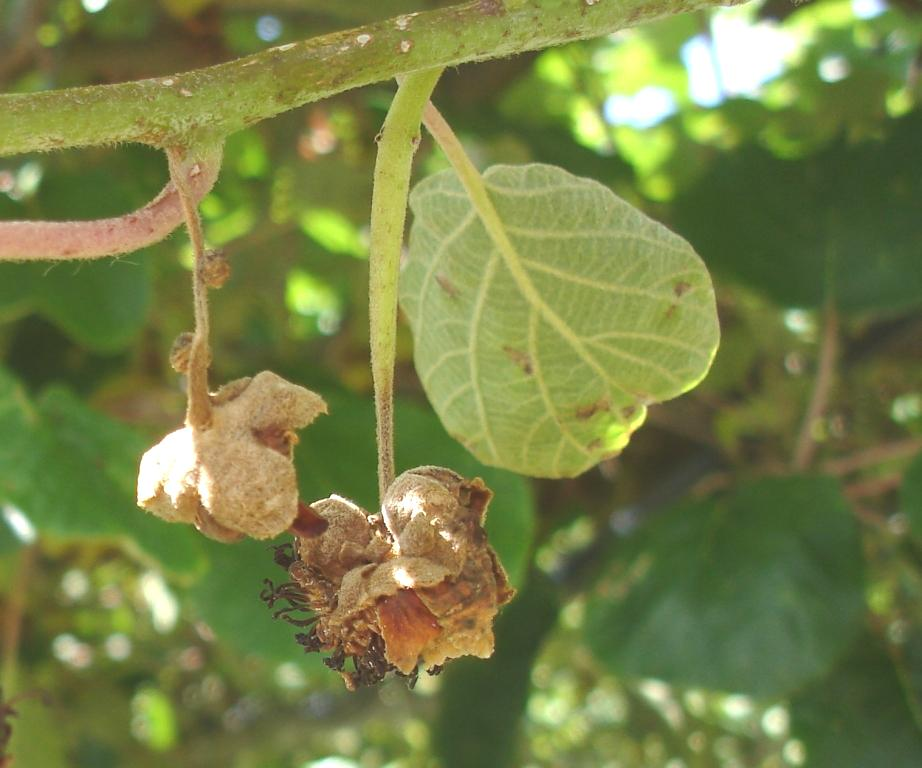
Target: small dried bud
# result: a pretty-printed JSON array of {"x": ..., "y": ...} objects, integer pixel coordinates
[
  {"x": 234, "y": 478},
  {"x": 216, "y": 268},
  {"x": 181, "y": 351},
  {"x": 418, "y": 585}
]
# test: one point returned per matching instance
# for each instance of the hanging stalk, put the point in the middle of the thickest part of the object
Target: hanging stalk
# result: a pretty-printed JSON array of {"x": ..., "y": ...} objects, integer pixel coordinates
[
  {"x": 397, "y": 144},
  {"x": 198, "y": 411}
]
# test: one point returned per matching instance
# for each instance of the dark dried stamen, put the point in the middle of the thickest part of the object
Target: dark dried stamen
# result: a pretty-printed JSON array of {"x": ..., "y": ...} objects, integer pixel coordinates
[
  {"x": 285, "y": 615},
  {"x": 372, "y": 666},
  {"x": 310, "y": 641},
  {"x": 412, "y": 678},
  {"x": 294, "y": 596},
  {"x": 337, "y": 660},
  {"x": 284, "y": 555},
  {"x": 289, "y": 591}
]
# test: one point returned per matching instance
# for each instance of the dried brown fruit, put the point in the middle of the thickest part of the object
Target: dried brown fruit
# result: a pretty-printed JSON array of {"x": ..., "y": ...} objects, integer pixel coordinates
[
  {"x": 216, "y": 268},
  {"x": 234, "y": 478},
  {"x": 181, "y": 351},
  {"x": 418, "y": 585}
]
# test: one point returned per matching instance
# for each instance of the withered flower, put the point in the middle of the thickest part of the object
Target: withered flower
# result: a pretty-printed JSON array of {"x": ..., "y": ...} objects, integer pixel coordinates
[
  {"x": 235, "y": 477},
  {"x": 415, "y": 586}
]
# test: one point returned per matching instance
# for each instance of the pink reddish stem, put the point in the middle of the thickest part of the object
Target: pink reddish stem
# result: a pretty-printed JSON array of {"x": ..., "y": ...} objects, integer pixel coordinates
[{"x": 48, "y": 240}]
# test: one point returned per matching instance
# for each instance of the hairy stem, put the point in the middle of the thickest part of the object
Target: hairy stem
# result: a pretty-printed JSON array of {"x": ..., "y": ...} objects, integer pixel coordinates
[
  {"x": 198, "y": 411},
  {"x": 873, "y": 486},
  {"x": 13, "y": 612},
  {"x": 819, "y": 398},
  {"x": 397, "y": 144},
  {"x": 53, "y": 240},
  {"x": 222, "y": 99},
  {"x": 870, "y": 457}
]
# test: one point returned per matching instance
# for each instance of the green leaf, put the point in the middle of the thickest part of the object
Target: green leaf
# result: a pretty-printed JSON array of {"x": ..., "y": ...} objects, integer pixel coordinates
[
  {"x": 858, "y": 716},
  {"x": 541, "y": 358},
  {"x": 758, "y": 593},
  {"x": 154, "y": 719},
  {"x": 102, "y": 305},
  {"x": 337, "y": 455},
  {"x": 227, "y": 598},
  {"x": 841, "y": 224},
  {"x": 911, "y": 495},
  {"x": 37, "y": 738},
  {"x": 482, "y": 701},
  {"x": 334, "y": 232},
  {"x": 9, "y": 541},
  {"x": 16, "y": 289},
  {"x": 73, "y": 470}
]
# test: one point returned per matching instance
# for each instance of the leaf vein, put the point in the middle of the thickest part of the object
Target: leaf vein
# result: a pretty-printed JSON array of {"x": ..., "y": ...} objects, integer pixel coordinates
[
  {"x": 479, "y": 305},
  {"x": 655, "y": 338},
  {"x": 426, "y": 378},
  {"x": 565, "y": 431},
  {"x": 566, "y": 234},
  {"x": 603, "y": 286},
  {"x": 653, "y": 366},
  {"x": 434, "y": 260}
]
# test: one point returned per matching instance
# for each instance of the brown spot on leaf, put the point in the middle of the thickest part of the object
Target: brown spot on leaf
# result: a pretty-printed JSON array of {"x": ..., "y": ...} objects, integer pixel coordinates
[
  {"x": 447, "y": 286},
  {"x": 594, "y": 445},
  {"x": 520, "y": 358},
  {"x": 628, "y": 411},
  {"x": 588, "y": 411},
  {"x": 671, "y": 311},
  {"x": 681, "y": 288}
]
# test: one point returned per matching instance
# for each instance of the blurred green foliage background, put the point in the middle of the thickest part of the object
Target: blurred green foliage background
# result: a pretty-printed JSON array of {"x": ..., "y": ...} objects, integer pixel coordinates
[{"x": 716, "y": 596}]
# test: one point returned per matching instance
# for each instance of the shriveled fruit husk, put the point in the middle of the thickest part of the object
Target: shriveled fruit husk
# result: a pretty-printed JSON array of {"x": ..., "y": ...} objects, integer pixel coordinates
[
  {"x": 417, "y": 585},
  {"x": 233, "y": 477}
]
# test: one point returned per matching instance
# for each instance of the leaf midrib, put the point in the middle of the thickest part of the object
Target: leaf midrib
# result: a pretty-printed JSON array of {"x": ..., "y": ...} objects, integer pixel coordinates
[{"x": 492, "y": 222}]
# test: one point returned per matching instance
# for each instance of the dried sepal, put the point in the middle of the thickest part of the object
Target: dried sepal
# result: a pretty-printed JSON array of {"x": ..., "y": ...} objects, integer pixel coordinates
[
  {"x": 407, "y": 626},
  {"x": 417, "y": 585},
  {"x": 234, "y": 478}
]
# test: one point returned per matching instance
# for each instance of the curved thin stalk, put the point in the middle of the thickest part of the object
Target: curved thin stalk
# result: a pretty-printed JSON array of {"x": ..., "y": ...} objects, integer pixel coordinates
[
  {"x": 11, "y": 632},
  {"x": 805, "y": 447},
  {"x": 198, "y": 411},
  {"x": 65, "y": 240}
]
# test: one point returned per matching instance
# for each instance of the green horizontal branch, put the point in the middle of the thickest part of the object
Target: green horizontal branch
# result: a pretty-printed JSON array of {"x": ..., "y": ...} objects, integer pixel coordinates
[{"x": 219, "y": 100}]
